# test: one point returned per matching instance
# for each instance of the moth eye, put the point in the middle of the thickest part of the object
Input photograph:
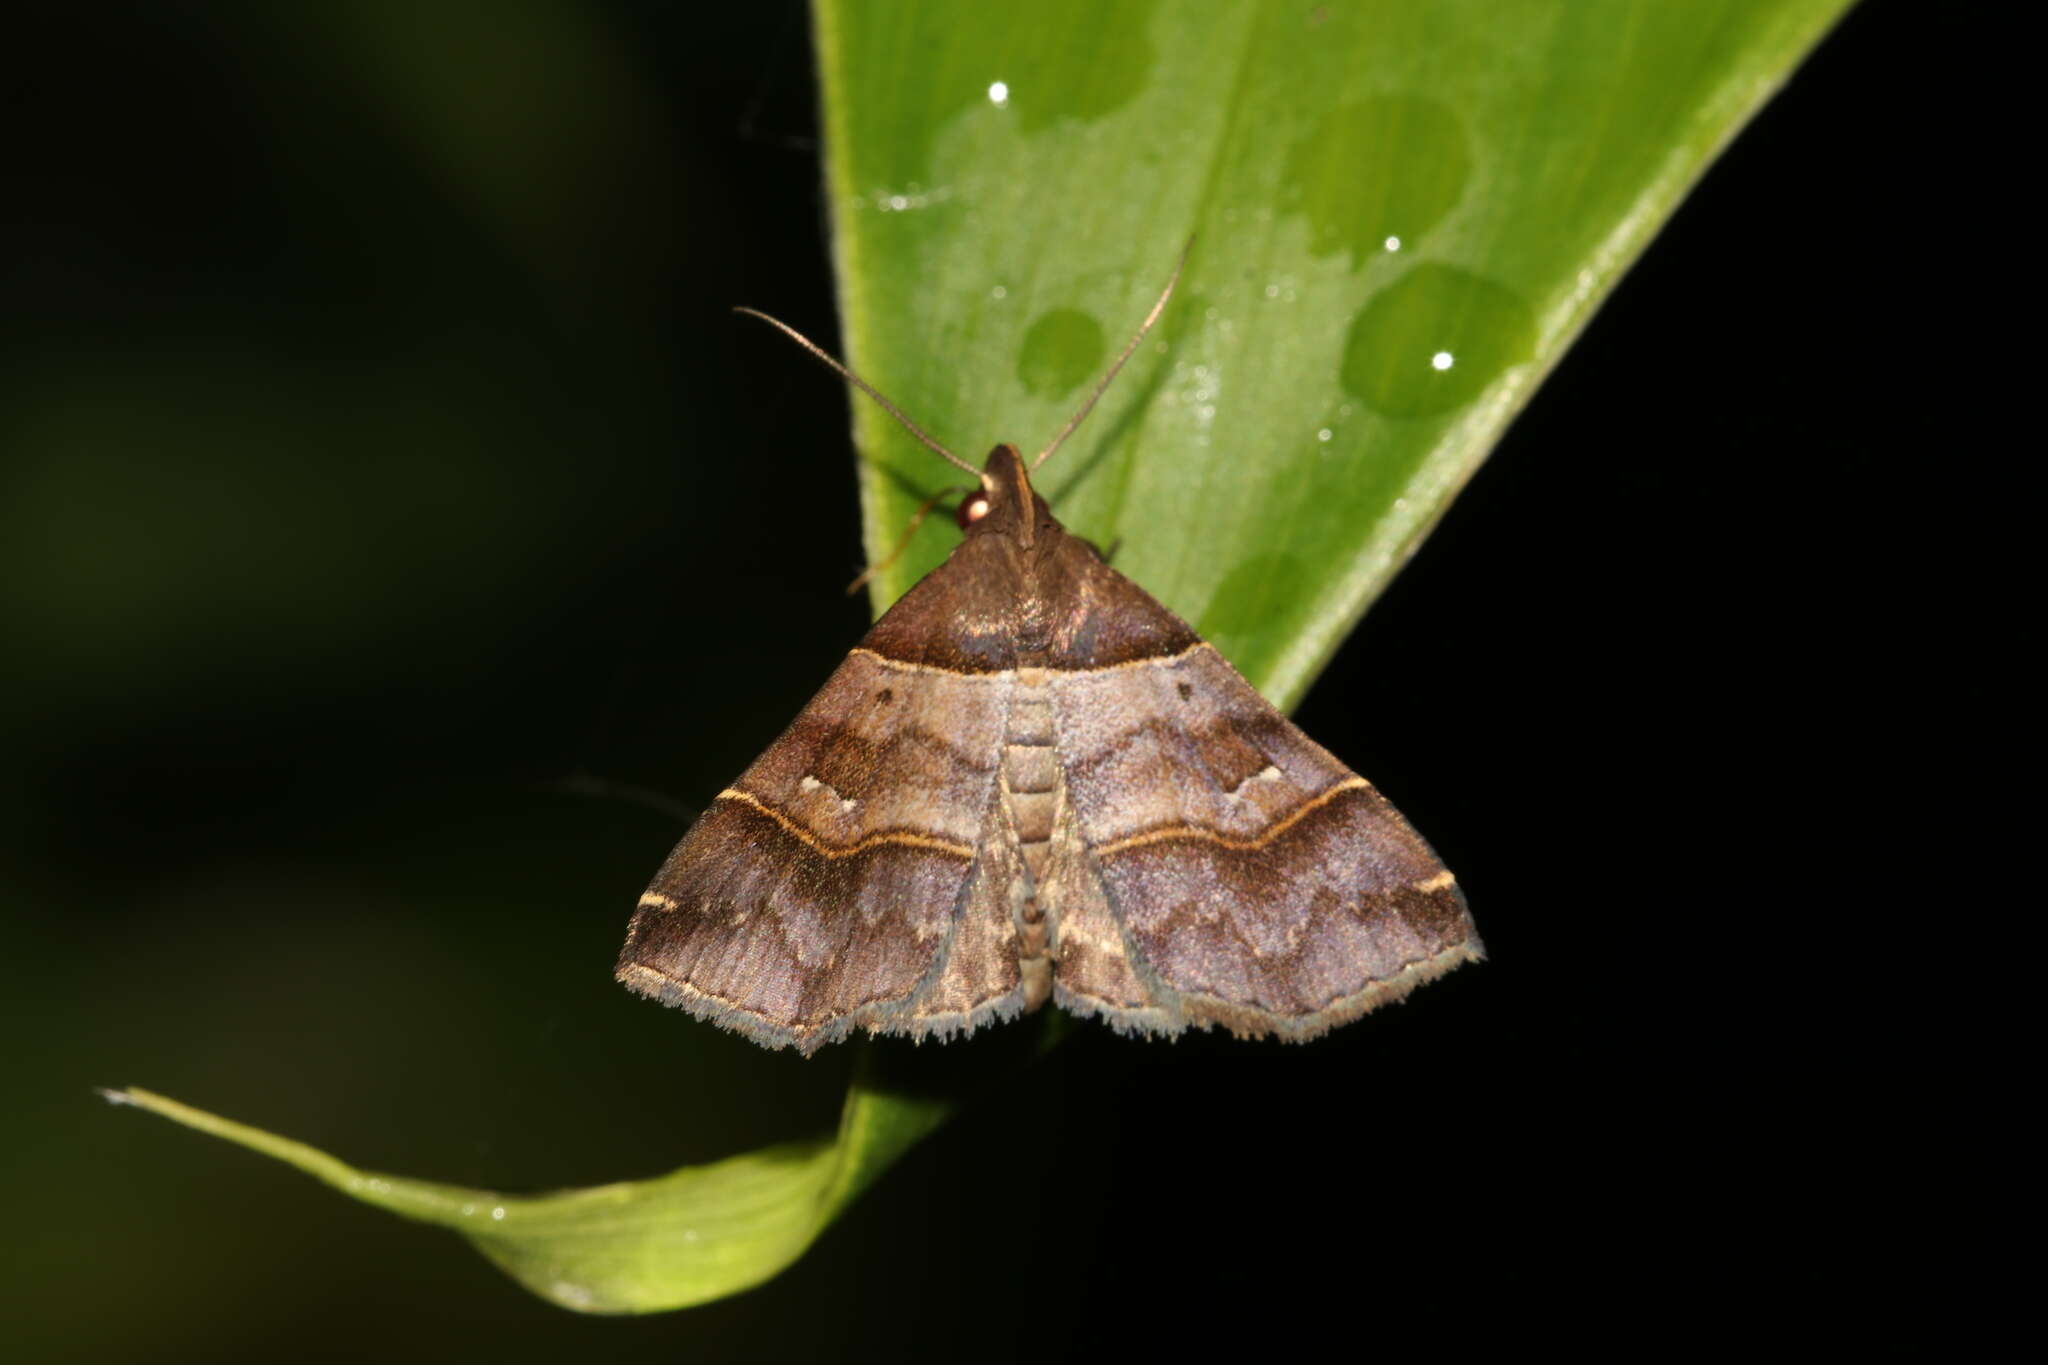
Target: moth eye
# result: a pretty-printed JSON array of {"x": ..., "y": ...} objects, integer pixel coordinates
[{"x": 972, "y": 510}]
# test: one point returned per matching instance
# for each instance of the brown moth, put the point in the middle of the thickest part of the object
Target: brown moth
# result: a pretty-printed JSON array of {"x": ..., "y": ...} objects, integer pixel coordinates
[{"x": 1031, "y": 781}]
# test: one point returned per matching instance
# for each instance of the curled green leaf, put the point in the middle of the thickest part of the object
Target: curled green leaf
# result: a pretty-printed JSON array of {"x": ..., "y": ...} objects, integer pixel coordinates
[{"x": 637, "y": 1246}]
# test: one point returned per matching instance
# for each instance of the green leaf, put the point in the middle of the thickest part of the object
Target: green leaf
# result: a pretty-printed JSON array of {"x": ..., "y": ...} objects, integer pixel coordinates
[
  {"x": 638, "y": 1246},
  {"x": 1402, "y": 215}
]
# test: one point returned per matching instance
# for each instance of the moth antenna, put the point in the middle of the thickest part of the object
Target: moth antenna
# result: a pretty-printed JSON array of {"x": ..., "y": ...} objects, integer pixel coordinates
[
  {"x": 869, "y": 389},
  {"x": 916, "y": 521},
  {"x": 584, "y": 784},
  {"x": 1144, "y": 327}
]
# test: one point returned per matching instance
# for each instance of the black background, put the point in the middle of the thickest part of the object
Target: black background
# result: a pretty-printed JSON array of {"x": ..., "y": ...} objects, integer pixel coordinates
[{"x": 334, "y": 759}]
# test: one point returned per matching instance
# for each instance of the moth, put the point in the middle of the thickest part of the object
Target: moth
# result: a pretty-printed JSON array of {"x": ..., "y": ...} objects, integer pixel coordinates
[{"x": 1030, "y": 781}]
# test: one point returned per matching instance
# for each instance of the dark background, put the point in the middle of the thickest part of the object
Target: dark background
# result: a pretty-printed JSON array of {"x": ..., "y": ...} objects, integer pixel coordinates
[{"x": 398, "y": 538}]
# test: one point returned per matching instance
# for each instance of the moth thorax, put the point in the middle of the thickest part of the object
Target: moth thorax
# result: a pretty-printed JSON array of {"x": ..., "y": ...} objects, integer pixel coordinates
[{"x": 1034, "y": 625}]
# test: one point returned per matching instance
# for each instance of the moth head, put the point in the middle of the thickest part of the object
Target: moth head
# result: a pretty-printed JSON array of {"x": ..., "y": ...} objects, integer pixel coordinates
[
  {"x": 972, "y": 508},
  {"x": 1004, "y": 498}
]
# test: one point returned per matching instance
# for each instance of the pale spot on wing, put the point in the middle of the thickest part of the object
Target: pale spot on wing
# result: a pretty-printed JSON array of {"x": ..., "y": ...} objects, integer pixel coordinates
[
  {"x": 1269, "y": 773},
  {"x": 1436, "y": 883},
  {"x": 812, "y": 784},
  {"x": 654, "y": 900}
]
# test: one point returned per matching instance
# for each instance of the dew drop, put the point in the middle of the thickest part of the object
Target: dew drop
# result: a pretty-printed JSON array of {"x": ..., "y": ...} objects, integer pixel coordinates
[
  {"x": 1376, "y": 173},
  {"x": 1061, "y": 352},
  {"x": 999, "y": 93},
  {"x": 1434, "y": 340}
]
